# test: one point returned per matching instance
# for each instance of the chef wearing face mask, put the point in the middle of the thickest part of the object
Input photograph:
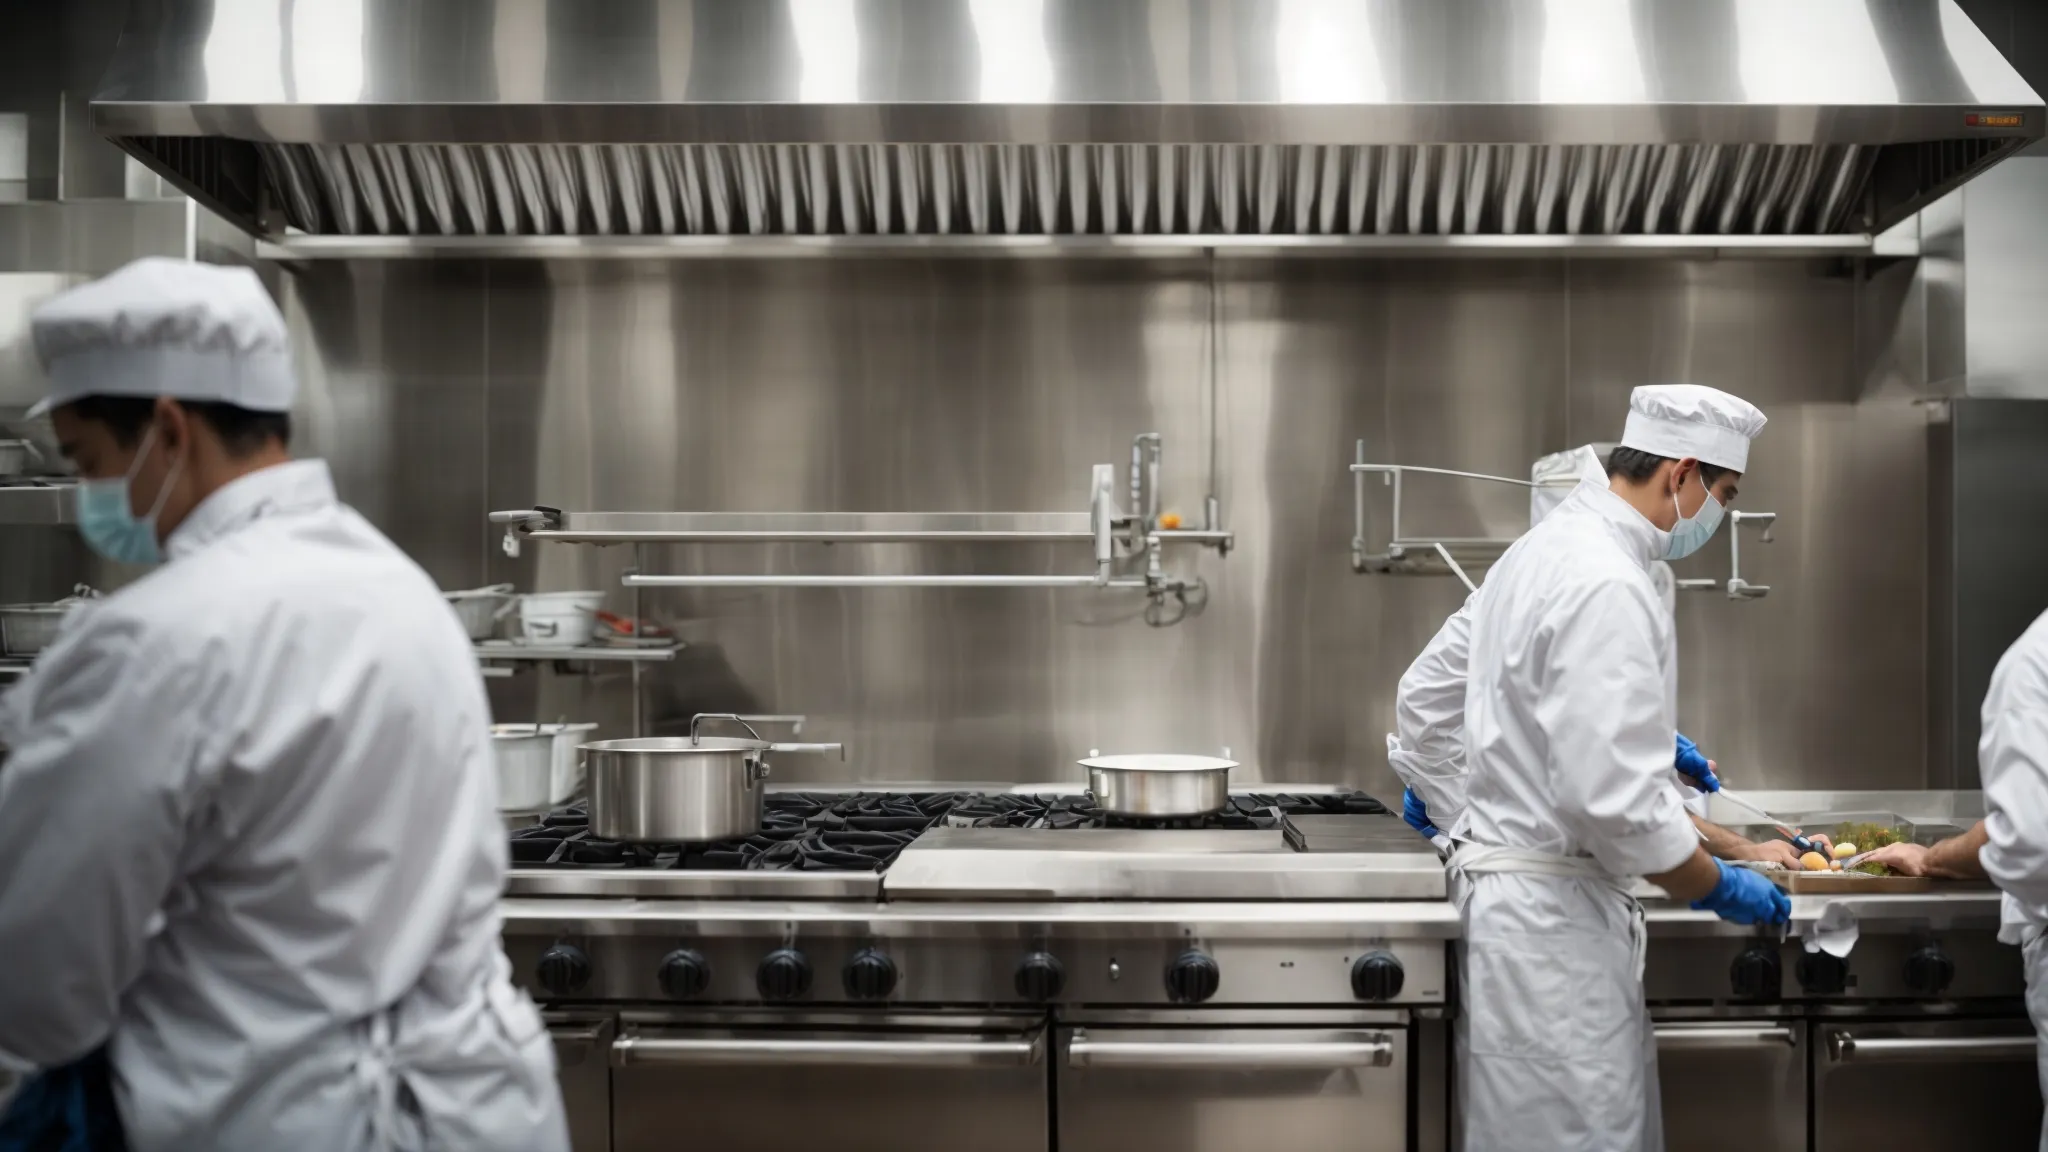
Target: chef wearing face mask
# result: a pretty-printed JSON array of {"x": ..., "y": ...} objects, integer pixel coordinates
[
  {"x": 248, "y": 828},
  {"x": 1427, "y": 748},
  {"x": 1569, "y": 738}
]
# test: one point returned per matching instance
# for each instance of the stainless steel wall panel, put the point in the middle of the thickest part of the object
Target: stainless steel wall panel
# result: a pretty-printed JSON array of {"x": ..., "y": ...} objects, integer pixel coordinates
[
  {"x": 962, "y": 384},
  {"x": 392, "y": 362},
  {"x": 1781, "y": 688}
]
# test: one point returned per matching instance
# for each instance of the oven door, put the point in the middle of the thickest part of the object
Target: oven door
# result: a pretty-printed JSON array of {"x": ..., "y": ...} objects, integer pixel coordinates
[
  {"x": 852, "y": 1082},
  {"x": 583, "y": 1068},
  {"x": 1732, "y": 1084},
  {"x": 1903, "y": 1084},
  {"x": 1137, "y": 1089}
]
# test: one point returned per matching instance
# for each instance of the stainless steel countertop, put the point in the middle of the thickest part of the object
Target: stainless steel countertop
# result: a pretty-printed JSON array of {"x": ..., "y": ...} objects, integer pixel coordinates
[{"x": 1154, "y": 864}]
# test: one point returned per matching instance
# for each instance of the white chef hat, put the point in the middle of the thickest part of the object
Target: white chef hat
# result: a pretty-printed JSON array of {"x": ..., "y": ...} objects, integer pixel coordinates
[
  {"x": 1680, "y": 420},
  {"x": 161, "y": 327}
]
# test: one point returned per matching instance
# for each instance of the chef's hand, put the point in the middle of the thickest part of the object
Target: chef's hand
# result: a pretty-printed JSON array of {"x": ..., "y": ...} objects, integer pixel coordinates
[
  {"x": 1772, "y": 851},
  {"x": 1416, "y": 813},
  {"x": 1745, "y": 897},
  {"x": 1905, "y": 859},
  {"x": 1696, "y": 767}
]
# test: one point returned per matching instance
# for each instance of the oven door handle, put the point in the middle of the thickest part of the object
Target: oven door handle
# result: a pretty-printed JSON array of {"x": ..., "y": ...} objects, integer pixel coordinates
[
  {"x": 1692, "y": 1037},
  {"x": 922, "y": 1052},
  {"x": 1361, "y": 1051},
  {"x": 1844, "y": 1048}
]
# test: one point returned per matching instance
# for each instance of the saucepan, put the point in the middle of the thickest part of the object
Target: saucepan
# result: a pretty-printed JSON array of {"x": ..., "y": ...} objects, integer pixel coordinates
[
  {"x": 683, "y": 789},
  {"x": 1159, "y": 785},
  {"x": 27, "y": 629}
]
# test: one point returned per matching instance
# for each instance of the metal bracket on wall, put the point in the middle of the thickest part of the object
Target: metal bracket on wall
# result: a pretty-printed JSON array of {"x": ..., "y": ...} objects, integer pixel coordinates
[
  {"x": 1112, "y": 533},
  {"x": 1736, "y": 587},
  {"x": 1419, "y": 555}
]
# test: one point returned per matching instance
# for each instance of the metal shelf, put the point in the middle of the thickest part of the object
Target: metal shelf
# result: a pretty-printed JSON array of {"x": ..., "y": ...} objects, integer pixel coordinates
[
  {"x": 1418, "y": 555},
  {"x": 37, "y": 504},
  {"x": 840, "y": 528},
  {"x": 578, "y": 654}
]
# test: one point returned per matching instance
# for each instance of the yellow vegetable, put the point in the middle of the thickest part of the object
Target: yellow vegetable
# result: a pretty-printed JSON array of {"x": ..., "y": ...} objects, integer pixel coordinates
[
  {"x": 1844, "y": 851},
  {"x": 1814, "y": 862},
  {"x": 1835, "y": 865}
]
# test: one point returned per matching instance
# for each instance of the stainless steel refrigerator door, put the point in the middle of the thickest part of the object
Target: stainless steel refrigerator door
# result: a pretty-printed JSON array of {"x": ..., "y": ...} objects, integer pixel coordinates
[
  {"x": 1950, "y": 1084},
  {"x": 862, "y": 1088},
  {"x": 1704, "y": 1065},
  {"x": 1126, "y": 1089}
]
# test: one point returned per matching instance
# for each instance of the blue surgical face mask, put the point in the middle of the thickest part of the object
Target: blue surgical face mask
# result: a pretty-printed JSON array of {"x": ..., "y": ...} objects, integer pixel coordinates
[
  {"x": 1691, "y": 533},
  {"x": 108, "y": 522}
]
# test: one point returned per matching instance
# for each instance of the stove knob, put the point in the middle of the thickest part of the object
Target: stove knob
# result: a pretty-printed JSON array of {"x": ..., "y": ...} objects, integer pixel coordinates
[
  {"x": 563, "y": 970},
  {"x": 1376, "y": 976},
  {"x": 685, "y": 974},
  {"x": 1757, "y": 974},
  {"x": 1929, "y": 971},
  {"x": 1192, "y": 978},
  {"x": 1040, "y": 977},
  {"x": 1823, "y": 975},
  {"x": 784, "y": 974},
  {"x": 869, "y": 975}
]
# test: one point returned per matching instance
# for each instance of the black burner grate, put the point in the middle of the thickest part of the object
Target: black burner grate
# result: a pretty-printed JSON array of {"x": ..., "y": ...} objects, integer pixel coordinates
[{"x": 864, "y": 831}]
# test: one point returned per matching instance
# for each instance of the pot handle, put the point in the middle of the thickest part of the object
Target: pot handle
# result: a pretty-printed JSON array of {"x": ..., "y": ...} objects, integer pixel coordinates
[
  {"x": 827, "y": 749},
  {"x": 701, "y": 717}
]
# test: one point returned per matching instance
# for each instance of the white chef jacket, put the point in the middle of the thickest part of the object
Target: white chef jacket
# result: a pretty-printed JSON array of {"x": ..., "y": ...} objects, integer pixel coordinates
[
  {"x": 249, "y": 838},
  {"x": 1427, "y": 748},
  {"x": 2012, "y": 756},
  {"x": 1571, "y": 695}
]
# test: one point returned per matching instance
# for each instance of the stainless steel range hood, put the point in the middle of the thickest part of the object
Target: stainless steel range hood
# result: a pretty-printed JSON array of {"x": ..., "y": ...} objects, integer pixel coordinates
[{"x": 1332, "y": 119}]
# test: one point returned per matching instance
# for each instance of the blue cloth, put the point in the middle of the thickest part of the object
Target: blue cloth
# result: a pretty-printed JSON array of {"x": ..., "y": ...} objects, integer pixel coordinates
[
  {"x": 1745, "y": 897},
  {"x": 1692, "y": 763},
  {"x": 67, "y": 1109},
  {"x": 1416, "y": 813}
]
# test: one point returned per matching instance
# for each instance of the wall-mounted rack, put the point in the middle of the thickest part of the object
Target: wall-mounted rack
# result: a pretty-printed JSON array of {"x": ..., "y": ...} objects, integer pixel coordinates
[
  {"x": 1429, "y": 555},
  {"x": 500, "y": 658},
  {"x": 1417, "y": 554},
  {"x": 1112, "y": 533}
]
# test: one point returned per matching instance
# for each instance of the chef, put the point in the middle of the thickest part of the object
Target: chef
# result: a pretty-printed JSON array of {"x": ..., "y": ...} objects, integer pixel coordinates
[
  {"x": 248, "y": 835},
  {"x": 1569, "y": 738},
  {"x": 1427, "y": 748},
  {"x": 2010, "y": 845}
]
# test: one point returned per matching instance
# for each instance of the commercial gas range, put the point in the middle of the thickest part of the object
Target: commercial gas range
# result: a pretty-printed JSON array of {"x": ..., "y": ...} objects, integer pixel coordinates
[{"x": 943, "y": 970}]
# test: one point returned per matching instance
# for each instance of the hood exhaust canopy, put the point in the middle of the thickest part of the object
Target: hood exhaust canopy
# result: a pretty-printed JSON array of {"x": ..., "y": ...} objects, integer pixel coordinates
[{"x": 1288, "y": 118}]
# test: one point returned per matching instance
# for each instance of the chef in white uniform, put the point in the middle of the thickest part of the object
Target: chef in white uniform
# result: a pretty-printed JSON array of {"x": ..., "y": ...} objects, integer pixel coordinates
[
  {"x": 1569, "y": 737},
  {"x": 1426, "y": 750},
  {"x": 2010, "y": 845},
  {"x": 247, "y": 825}
]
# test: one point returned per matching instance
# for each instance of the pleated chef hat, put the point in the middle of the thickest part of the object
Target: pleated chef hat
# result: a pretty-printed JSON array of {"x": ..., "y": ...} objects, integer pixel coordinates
[
  {"x": 161, "y": 327},
  {"x": 1680, "y": 420}
]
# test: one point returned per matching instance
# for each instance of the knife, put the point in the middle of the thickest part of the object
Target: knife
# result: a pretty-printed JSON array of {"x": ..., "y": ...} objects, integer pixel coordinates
[{"x": 1793, "y": 834}]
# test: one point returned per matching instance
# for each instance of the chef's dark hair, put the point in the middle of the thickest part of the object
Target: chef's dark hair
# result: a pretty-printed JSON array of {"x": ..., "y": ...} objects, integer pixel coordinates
[
  {"x": 242, "y": 432},
  {"x": 1636, "y": 466}
]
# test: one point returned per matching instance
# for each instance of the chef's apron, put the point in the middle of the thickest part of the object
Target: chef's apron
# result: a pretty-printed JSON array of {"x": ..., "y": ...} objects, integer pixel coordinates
[
  {"x": 1556, "y": 1053},
  {"x": 2036, "y": 953}
]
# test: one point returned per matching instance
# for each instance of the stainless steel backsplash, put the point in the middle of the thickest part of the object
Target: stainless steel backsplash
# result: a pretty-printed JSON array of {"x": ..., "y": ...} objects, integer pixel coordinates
[{"x": 441, "y": 390}]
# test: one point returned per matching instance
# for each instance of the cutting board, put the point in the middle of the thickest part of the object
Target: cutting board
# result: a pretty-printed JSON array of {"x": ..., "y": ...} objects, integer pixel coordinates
[{"x": 1849, "y": 884}]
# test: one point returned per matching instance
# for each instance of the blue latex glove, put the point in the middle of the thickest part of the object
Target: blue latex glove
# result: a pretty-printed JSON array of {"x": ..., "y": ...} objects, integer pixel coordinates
[
  {"x": 1695, "y": 766},
  {"x": 1744, "y": 897},
  {"x": 1416, "y": 813}
]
